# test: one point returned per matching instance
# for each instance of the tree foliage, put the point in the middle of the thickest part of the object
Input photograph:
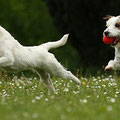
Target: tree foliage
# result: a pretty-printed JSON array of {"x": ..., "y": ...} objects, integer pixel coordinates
[
  {"x": 27, "y": 21},
  {"x": 30, "y": 23}
]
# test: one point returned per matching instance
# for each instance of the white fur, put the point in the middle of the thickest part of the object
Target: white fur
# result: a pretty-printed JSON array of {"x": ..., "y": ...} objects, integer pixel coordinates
[
  {"x": 110, "y": 24},
  {"x": 15, "y": 57},
  {"x": 114, "y": 32}
]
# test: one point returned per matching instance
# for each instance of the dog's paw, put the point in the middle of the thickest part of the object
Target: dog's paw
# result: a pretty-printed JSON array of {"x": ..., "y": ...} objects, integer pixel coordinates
[{"x": 108, "y": 68}]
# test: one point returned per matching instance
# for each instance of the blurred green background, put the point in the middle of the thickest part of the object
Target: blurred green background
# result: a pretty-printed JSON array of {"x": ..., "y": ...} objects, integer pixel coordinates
[
  {"x": 31, "y": 24},
  {"x": 36, "y": 21}
]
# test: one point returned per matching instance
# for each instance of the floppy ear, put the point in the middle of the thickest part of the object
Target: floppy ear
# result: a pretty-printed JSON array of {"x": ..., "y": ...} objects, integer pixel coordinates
[{"x": 107, "y": 17}]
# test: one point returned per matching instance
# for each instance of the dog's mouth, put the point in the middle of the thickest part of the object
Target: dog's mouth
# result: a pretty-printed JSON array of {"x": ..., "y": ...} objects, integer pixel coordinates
[
  {"x": 111, "y": 40},
  {"x": 115, "y": 41}
]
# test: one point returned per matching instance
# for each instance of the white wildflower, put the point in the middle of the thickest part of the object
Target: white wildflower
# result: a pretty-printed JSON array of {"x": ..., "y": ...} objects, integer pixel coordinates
[
  {"x": 109, "y": 108},
  {"x": 20, "y": 87},
  {"x": 99, "y": 86},
  {"x": 38, "y": 97},
  {"x": 33, "y": 101},
  {"x": 88, "y": 96},
  {"x": 112, "y": 100},
  {"x": 116, "y": 96},
  {"x": 97, "y": 96},
  {"x": 105, "y": 93},
  {"x": 104, "y": 85},
  {"x": 66, "y": 90},
  {"x": 100, "y": 80},
  {"x": 75, "y": 92},
  {"x": 46, "y": 99},
  {"x": 117, "y": 92},
  {"x": 85, "y": 100}
]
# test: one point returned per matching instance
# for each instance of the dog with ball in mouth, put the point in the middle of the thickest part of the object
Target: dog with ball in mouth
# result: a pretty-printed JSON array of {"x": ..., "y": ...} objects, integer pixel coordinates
[{"x": 111, "y": 36}]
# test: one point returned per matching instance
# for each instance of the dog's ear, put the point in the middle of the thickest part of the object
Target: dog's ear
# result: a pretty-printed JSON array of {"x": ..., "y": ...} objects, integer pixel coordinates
[{"x": 107, "y": 17}]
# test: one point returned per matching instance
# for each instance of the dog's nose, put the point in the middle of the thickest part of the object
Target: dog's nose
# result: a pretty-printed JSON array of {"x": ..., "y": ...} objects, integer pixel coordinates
[{"x": 106, "y": 33}]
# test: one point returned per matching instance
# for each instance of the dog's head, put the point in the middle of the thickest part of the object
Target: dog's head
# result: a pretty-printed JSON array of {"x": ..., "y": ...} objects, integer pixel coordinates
[{"x": 113, "y": 29}]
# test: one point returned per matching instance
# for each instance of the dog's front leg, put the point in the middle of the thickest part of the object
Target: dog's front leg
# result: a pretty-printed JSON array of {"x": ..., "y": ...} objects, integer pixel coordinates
[
  {"x": 113, "y": 65},
  {"x": 110, "y": 66}
]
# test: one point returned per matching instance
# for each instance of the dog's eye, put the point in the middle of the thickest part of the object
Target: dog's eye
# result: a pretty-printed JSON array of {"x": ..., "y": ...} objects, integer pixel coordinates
[{"x": 117, "y": 25}]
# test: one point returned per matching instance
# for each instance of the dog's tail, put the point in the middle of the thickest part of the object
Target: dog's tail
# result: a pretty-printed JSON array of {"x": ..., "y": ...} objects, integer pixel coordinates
[{"x": 56, "y": 44}]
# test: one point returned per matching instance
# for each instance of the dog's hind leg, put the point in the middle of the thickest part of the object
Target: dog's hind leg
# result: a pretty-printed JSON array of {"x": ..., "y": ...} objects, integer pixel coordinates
[
  {"x": 46, "y": 79},
  {"x": 62, "y": 73},
  {"x": 57, "y": 70}
]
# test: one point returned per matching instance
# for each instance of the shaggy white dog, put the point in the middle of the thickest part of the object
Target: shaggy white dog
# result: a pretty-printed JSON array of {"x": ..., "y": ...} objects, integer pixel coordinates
[
  {"x": 113, "y": 30},
  {"x": 15, "y": 57}
]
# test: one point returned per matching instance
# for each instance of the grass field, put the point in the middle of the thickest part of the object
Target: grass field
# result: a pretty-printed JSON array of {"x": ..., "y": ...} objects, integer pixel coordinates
[{"x": 98, "y": 98}]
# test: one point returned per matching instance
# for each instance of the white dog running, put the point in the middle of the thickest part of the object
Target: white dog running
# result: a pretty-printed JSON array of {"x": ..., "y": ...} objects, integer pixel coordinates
[
  {"x": 15, "y": 57},
  {"x": 113, "y": 30}
]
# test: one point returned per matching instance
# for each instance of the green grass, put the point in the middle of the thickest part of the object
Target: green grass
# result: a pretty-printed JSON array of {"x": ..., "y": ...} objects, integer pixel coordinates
[{"x": 98, "y": 98}]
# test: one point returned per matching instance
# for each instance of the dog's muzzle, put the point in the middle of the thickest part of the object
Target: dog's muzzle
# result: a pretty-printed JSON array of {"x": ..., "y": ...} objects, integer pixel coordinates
[{"x": 115, "y": 40}]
